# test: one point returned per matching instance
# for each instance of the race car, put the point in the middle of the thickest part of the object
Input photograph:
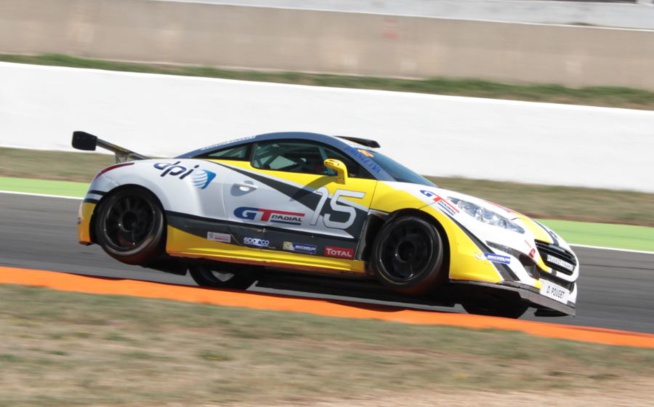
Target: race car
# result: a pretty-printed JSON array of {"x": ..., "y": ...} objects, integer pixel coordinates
[{"x": 319, "y": 204}]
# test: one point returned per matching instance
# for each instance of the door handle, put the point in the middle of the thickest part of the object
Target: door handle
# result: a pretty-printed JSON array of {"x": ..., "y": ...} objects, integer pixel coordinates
[{"x": 246, "y": 186}]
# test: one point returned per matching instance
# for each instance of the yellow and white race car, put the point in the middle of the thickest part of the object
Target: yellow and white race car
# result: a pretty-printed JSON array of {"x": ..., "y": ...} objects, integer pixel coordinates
[{"x": 314, "y": 203}]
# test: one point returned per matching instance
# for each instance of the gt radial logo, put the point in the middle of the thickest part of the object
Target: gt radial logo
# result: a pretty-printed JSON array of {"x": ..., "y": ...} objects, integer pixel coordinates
[
  {"x": 199, "y": 177},
  {"x": 340, "y": 252},
  {"x": 442, "y": 203},
  {"x": 269, "y": 215}
]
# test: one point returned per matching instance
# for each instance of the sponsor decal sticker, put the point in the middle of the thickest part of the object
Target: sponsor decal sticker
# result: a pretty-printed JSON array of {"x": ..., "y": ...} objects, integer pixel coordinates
[
  {"x": 445, "y": 205},
  {"x": 554, "y": 291},
  {"x": 340, "y": 252},
  {"x": 532, "y": 251},
  {"x": 559, "y": 262},
  {"x": 269, "y": 215},
  {"x": 364, "y": 158},
  {"x": 200, "y": 178},
  {"x": 253, "y": 241},
  {"x": 219, "y": 237},
  {"x": 366, "y": 153},
  {"x": 300, "y": 248},
  {"x": 495, "y": 258},
  {"x": 203, "y": 178}
]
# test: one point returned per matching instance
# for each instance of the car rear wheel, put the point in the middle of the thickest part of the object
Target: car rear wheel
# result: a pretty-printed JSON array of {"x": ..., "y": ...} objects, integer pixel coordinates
[
  {"x": 407, "y": 256},
  {"x": 129, "y": 225},
  {"x": 497, "y": 309},
  {"x": 223, "y": 275}
]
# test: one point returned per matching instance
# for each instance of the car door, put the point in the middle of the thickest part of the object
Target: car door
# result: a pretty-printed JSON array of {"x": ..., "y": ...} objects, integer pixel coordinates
[{"x": 286, "y": 199}]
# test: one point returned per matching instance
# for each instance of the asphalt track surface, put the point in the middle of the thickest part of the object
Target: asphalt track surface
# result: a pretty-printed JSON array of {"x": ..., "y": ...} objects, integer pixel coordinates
[{"x": 40, "y": 233}]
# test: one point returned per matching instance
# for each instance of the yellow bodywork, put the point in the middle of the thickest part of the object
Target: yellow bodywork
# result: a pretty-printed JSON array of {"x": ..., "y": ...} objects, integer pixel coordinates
[
  {"x": 184, "y": 244},
  {"x": 84, "y": 222},
  {"x": 465, "y": 263}
]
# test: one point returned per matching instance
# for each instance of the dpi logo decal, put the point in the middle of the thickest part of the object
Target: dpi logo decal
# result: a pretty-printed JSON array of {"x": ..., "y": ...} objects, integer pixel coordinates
[{"x": 200, "y": 178}]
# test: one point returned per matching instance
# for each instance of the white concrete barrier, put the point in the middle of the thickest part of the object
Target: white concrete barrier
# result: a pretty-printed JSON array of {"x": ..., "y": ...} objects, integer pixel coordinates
[
  {"x": 310, "y": 40},
  {"x": 436, "y": 135},
  {"x": 636, "y": 14}
]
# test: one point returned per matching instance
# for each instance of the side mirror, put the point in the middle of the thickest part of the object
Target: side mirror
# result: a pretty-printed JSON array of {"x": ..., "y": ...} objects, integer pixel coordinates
[{"x": 339, "y": 167}]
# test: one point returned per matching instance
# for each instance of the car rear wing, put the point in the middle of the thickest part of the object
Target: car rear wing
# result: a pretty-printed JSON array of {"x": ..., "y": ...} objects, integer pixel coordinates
[{"x": 88, "y": 142}]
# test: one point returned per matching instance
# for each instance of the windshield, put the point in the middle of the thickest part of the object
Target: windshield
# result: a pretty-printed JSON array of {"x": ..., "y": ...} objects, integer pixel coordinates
[{"x": 396, "y": 170}]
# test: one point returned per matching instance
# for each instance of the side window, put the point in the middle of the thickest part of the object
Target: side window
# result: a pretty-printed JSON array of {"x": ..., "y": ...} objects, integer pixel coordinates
[
  {"x": 235, "y": 153},
  {"x": 301, "y": 156}
]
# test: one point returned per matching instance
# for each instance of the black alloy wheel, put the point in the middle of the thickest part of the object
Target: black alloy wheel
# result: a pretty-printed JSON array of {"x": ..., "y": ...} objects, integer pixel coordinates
[
  {"x": 129, "y": 225},
  {"x": 407, "y": 256}
]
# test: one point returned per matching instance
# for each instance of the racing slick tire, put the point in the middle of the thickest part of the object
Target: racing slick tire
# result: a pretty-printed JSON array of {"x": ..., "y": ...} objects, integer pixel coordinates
[
  {"x": 407, "y": 256},
  {"x": 496, "y": 309},
  {"x": 129, "y": 225},
  {"x": 223, "y": 275}
]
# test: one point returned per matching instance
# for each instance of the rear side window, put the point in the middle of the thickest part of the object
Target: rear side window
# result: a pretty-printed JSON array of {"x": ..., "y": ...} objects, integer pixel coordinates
[{"x": 240, "y": 153}]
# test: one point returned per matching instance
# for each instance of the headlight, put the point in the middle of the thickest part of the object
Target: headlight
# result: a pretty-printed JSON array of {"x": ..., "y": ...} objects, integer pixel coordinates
[{"x": 486, "y": 216}]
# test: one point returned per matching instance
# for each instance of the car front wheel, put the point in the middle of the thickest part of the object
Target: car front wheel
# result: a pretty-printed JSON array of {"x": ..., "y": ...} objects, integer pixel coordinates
[{"x": 407, "y": 256}]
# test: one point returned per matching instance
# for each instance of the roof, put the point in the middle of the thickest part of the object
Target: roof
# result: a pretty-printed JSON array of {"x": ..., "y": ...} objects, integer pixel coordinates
[{"x": 337, "y": 142}]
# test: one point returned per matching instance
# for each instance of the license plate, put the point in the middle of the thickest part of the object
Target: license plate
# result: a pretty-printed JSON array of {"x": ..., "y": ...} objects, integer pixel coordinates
[{"x": 554, "y": 291}]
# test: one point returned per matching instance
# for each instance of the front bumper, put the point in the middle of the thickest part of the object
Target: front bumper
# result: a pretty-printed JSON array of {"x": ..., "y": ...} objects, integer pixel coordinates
[{"x": 513, "y": 292}]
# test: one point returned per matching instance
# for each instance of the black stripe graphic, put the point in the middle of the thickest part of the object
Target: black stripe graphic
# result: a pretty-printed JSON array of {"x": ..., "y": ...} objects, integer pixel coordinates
[
  {"x": 309, "y": 199},
  {"x": 504, "y": 270}
]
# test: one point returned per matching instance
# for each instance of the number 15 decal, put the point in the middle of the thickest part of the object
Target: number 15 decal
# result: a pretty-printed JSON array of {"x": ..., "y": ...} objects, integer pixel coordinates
[{"x": 337, "y": 205}]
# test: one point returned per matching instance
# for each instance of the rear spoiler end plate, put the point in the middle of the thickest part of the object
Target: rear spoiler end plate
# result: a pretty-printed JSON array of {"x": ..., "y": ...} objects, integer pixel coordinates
[{"x": 88, "y": 142}]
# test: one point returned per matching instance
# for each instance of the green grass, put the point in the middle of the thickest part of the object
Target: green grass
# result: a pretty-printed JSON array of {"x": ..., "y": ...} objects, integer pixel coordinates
[
  {"x": 601, "y": 234},
  {"x": 37, "y": 186},
  {"x": 592, "y": 96},
  {"x": 76, "y": 349}
]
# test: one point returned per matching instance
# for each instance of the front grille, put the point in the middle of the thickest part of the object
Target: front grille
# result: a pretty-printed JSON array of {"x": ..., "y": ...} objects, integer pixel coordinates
[
  {"x": 568, "y": 285},
  {"x": 557, "y": 257}
]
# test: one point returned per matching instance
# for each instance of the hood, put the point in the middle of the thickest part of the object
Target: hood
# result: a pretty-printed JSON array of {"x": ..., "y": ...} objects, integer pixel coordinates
[{"x": 454, "y": 205}]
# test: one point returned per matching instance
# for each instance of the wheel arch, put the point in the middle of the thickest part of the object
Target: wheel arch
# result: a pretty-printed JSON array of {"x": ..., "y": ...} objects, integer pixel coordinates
[
  {"x": 376, "y": 223},
  {"x": 115, "y": 190}
]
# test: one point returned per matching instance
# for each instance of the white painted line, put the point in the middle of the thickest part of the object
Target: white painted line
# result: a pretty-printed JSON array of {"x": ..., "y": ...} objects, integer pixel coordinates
[
  {"x": 612, "y": 249},
  {"x": 40, "y": 195}
]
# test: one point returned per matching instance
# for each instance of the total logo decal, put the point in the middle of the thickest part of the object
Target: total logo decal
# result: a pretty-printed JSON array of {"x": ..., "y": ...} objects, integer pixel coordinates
[
  {"x": 269, "y": 215},
  {"x": 340, "y": 252},
  {"x": 442, "y": 203},
  {"x": 253, "y": 241},
  {"x": 201, "y": 178},
  {"x": 495, "y": 258},
  {"x": 300, "y": 248}
]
